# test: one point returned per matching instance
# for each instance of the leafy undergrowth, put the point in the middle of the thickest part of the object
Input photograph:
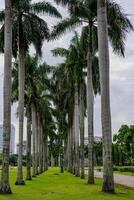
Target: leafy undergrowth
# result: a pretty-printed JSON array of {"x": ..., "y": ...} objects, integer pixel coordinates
[{"x": 53, "y": 185}]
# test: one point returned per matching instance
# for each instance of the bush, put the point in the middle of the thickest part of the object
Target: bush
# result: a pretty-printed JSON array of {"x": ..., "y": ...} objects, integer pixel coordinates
[
  {"x": 99, "y": 169},
  {"x": 127, "y": 169},
  {"x": 116, "y": 168}
]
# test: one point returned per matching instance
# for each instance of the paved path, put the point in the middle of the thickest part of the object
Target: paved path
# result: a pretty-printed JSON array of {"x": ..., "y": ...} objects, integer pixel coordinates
[{"x": 119, "y": 179}]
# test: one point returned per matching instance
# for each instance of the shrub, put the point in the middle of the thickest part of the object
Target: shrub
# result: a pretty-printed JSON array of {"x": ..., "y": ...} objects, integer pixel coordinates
[
  {"x": 116, "y": 168},
  {"x": 127, "y": 169},
  {"x": 99, "y": 169}
]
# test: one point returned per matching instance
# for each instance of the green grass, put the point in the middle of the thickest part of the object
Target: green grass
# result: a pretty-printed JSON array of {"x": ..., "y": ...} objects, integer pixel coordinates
[{"x": 53, "y": 185}]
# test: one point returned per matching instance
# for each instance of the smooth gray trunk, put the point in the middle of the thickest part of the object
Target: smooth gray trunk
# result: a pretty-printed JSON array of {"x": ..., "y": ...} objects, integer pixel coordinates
[
  {"x": 45, "y": 154},
  {"x": 72, "y": 146},
  {"x": 29, "y": 160},
  {"x": 4, "y": 185},
  {"x": 52, "y": 161},
  {"x": 81, "y": 119},
  {"x": 65, "y": 153},
  {"x": 69, "y": 154},
  {"x": 76, "y": 131},
  {"x": 43, "y": 157},
  {"x": 36, "y": 145},
  {"x": 108, "y": 182},
  {"x": 33, "y": 135},
  {"x": 40, "y": 147},
  {"x": 20, "y": 180},
  {"x": 43, "y": 149},
  {"x": 73, "y": 143},
  {"x": 90, "y": 113}
]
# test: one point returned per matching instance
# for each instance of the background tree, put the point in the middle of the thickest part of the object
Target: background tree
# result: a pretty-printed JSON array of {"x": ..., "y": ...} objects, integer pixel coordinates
[
  {"x": 4, "y": 185},
  {"x": 86, "y": 12},
  {"x": 27, "y": 28},
  {"x": 108, "y": 183}
]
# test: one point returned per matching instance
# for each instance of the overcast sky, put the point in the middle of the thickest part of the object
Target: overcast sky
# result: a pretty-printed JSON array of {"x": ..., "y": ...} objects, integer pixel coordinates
[{"x": 121, "y": 73}]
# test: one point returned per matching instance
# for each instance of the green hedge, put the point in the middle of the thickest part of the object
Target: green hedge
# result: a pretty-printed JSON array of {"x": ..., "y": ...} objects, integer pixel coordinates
[
  {"x": 127, "y": 169},
  {"x": 124, "y": 169},
  {"x": 116, "y": 169}
]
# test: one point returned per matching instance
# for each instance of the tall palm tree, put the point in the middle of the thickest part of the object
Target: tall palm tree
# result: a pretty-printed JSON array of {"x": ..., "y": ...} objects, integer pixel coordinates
[
  {"x": 108, "y": 182},
  {"x": 73, "y": 69},
  {"x": 36, "y": 98},
  {"x": 4, "y": 185},
  {"x": 86, "y": 12},
  {"x": 63, "y": 91},
  {"x": 30, "y": 67},
  {"x": 27, "y": 28}
]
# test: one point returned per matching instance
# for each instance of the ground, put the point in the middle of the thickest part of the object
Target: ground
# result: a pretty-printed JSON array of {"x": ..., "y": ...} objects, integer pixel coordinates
[{"x": 53, "y": 185}]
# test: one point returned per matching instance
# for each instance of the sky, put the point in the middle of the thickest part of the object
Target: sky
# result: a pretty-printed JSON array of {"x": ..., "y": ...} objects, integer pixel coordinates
[{"x": 121, "y": 76}]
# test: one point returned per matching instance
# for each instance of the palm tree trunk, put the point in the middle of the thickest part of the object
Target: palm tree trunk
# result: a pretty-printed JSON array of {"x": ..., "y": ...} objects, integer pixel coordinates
[
  {"x": 73, "y": 143},
  {"x": 76, "y": 113},
  {"x": 33, "y": 134},
  {"x": 45, "y": 153},
  {"x": 28, "y": 163},
  {"x": 65, "y": 153},
  {"x": 108, "y": 183},
  {"x": 4, "y": 185},
  {"x": 43, "y": 156},
  {"x": 70, "y": 148},
  {"x": 39, "y": 141},
  {"x": 46, "y": 150},
  {"x": 36, "y": 145},
  {"x": 69, "y": 155},
  {"x": 40, "y": 147},
  {"x": 90, "y": 110},
  {"x": 20, "y": 180},
  {"x": 81, "y": 117}
]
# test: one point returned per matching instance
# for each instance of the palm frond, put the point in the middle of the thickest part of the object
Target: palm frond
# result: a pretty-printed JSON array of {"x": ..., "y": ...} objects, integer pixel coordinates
[
  {"x": 64, "y": 26},
  {"x": 119, "y": 26},
  {"x": 45, "y": 7},
  {"x": 36, "y": 30},
  {"x": 66, "y": 2},
  {"x": 60, "y": 52},
  {"x": 2, "y": 16}
]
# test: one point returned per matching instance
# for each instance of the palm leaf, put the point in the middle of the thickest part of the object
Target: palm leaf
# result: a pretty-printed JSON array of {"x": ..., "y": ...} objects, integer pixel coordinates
[
  {"x": 45, "y": 7},
  {"x": 60, "y": 52},
  {"x": 119, "y": 26},
  {"x": 65, "y": 26},
  {"x": 2, "y": 16}
]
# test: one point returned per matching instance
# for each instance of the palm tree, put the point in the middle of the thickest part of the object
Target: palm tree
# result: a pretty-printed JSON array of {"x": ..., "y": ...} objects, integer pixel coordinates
[
  {"x": 36, "y": 97},
  {"x": 73, "y": 69},
  {"x": 86, "y": 12},
  {"x": 63, "y": 91},
  {"x": 108, "y": 183},
  {"x": 27, "y": 28},
  {"x": 30, "y": 64},
  {"x": 4, "y": 185}
]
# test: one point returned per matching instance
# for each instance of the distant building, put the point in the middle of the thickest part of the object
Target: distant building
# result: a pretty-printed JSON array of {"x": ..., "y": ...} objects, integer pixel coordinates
[
  {"x": 96, "y": 139},
  {"x": 12, "y": 139},
  {"x": 24, "y": 148}
]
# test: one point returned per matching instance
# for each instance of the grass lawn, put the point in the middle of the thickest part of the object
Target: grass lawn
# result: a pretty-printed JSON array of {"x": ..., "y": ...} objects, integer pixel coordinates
[{"x": 53, "y": 185}]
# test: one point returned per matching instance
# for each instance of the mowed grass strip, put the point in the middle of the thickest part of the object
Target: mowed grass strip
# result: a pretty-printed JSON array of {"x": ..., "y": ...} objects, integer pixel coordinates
[{"x": 52, "y": 185}]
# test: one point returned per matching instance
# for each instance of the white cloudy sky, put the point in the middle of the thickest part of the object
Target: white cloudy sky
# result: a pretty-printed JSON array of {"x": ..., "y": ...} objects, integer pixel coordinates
[{"x": 122, "y": 76}]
